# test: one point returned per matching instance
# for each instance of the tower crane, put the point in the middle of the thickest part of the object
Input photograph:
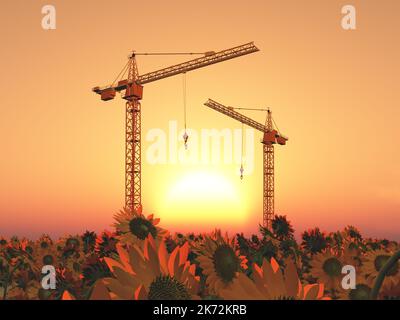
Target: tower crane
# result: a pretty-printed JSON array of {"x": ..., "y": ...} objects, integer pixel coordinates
[
  {"x": 131, "y": 89},
  {"x": 271, "y": 137}
]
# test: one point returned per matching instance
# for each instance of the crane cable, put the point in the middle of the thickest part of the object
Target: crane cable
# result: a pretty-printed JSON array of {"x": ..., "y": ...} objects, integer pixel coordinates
[
  {"x": 276, "y": 127},
  {"x": 185, "y": 135},
  {"x": 241, "y": 156},
  {"x": 171, "y": 53},
  {"x": 252, "y": 109},
  {"x": 121, "y": 74}
]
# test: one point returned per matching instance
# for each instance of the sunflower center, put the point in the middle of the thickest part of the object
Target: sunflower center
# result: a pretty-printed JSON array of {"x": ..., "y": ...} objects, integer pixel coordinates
[
  {"x": 381, "y": 260},
  {"x": 141, "y": 228},
  {"x": 44, "y": 245},
  {"x": 48, "y": 260},
  {"x": 332, "y": 267},
  {"x": 226, "y": 262},
  {"x": 361, "y": 292},
  {"x": 168, "y": 288},
  {"x": 72, "y": 243}
]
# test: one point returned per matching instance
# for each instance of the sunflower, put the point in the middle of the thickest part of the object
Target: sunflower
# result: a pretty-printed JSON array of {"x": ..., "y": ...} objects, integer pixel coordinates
[
  {"x": 43, "y": 242},
  {"x": 23, "y": 287},
  {"x": 219, "y": 260},
  {"x": 351, "y": 254},
  {"x": 106, "y": 244},
  {"x": 29, "y": 247},
  {"x": 3, "y": 243},
  {"x": 72, "y": 257},
  {"x": 361, "y": 292},
  {"x": 271, "y": 284},
  {"x": 149, "y": 273},
  {"x": 327, "y": 268},
  {"x": 46, "y": 255},
  {"x": 351, "y": 232},
  {"x": 68, "y": 245},
  {"x": 133, "y": 227},
  {"x": 372, "y": 263},
  {"x": 314, "y": 241}
]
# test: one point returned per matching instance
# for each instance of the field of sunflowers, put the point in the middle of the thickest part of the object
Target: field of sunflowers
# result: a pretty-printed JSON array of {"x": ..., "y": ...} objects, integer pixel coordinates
[{"x": 141, "y": 260}]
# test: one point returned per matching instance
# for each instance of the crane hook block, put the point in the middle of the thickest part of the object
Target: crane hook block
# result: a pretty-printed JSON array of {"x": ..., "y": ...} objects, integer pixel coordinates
[
  {"x": 108, "y": 94},
  {"x": 133, "y": 90}
]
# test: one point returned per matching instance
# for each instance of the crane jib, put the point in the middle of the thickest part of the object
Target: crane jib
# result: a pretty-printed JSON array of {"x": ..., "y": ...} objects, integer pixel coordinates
[{"x": 187, "y": 66}]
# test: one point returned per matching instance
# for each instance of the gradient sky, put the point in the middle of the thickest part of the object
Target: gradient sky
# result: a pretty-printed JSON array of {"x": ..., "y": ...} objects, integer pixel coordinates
[{"x": 334, "y": 93}]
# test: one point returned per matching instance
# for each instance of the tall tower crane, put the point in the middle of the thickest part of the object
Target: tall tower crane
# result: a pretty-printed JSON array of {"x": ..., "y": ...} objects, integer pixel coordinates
[
  {"x": 271, "y": 137},
  {"x": 131, "y": 89}
]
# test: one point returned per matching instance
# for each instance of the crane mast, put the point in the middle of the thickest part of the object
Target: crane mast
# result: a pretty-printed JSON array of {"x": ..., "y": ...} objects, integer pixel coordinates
[
  {"x": 133, "y": 93},
  {"x": 271, "y": 137}
]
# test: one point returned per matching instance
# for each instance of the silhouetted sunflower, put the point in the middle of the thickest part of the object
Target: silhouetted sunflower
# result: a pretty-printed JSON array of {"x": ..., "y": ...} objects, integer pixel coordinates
[
  {"x": 43, "y": 242},
  {"x": 361, "y": 292},
  {"x": 219, "y": 259},
  {"x": 106, "y": 244},
  {"x": 326, "y": 267},
  {"x": 271, "y": 284},
  {"x": 352, "y": 233},
  {"x": 314, "y": 241},
  {"x": 47, "y": 255},
  {"x": 23, "y": 287},
  {"x": 372, "y": 263},
  {"x": 282, "y": 229},
  {"x": 133, "y": 227},
  {"x": 150, "y": 273}
]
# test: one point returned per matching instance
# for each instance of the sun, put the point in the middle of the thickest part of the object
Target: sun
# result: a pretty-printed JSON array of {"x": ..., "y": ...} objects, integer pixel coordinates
[{"x": 205, "y": 198}]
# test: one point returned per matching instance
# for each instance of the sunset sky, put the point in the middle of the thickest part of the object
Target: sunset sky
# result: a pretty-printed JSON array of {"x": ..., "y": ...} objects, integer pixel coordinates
[{"x": 334, "y": 93}]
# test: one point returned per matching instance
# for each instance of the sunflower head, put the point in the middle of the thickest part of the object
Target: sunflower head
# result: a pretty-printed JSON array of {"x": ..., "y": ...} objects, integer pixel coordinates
[
  {"x": 219, "y": 260},
  {"x": 166, "y": 287},
  {"x": 106, "y": 244},
  {"x": 332, "y": 267},
  {"x": 352, "y": 233},
  {"x": 226, "y": 262},
  {"x": 44, "y": 242},
  {"x": 326, "y": 267},
  {"x": 151, "y": 273},
  {"x": 281, "y": 227},
  {"x": 361, "y": 292},
  {"x": 133, "y": 227},
  {"x": 314, "y": 241},
  {"x": 141, "y": 228}
]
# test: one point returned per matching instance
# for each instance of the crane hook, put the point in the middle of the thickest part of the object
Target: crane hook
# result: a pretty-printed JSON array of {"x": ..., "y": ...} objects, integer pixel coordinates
[{"x": 185, "y": 139}]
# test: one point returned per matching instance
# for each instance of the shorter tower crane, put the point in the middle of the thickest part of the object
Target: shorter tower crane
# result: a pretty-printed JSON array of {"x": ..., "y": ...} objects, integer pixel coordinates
[{"x": 271, "y": 136}]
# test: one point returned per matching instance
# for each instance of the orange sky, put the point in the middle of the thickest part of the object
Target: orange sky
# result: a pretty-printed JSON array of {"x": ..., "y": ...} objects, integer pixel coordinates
[{"x": 334, "y": 93}]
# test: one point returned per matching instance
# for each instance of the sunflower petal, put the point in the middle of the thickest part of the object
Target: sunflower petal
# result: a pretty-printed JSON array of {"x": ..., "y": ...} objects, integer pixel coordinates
[
  {"x": 100, "y": 292},
  {"x": 292, "y": 281}
]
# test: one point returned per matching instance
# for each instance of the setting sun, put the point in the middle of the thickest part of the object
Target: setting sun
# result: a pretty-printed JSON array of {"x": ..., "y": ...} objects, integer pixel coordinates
[{"x": 201, "y": 194}]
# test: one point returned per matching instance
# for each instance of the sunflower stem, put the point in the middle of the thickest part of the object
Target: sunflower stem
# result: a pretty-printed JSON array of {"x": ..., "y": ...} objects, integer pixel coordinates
[{"x": 382, "y": 274}]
